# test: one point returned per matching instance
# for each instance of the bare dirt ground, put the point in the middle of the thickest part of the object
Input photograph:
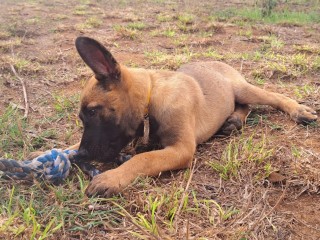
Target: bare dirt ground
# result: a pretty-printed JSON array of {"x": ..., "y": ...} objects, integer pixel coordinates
[{"x": 262, "y": 183}]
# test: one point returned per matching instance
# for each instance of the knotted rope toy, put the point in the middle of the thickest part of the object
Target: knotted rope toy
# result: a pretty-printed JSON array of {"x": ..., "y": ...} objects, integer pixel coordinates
[{"x": 53, "y": 166}]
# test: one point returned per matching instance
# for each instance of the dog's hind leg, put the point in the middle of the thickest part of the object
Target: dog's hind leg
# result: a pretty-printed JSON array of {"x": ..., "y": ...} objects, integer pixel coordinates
[
  {"x": 236, "y": 120},
  {"x": 246, "y": 93}
]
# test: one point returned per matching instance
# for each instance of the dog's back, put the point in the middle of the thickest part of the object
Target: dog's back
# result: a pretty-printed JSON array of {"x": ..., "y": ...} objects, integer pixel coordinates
[{"x": 216, "y": 83}]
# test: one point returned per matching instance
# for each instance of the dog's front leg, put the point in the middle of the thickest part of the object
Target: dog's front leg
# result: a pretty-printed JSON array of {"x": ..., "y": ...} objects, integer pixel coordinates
[
  {"x": 74, "y": 147},
  {"x": 151, "y": 163}
]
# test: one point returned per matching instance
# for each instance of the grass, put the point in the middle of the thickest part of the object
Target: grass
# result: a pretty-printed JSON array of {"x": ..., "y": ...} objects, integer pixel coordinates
[
  {"x": 275, "y": 43},
  {"x": 181, "y": 40},
  {"x": 65, "y": 105},
  {"x": 25, "y": 212},
  {"x": 169, "y": 32},
  {"x": 15, "y": 130},
  {"x": 276, "y": 17},
  {"x": 33, "y": 21},
  {"x": 23, "y": 66},
  {"x": 316, "y": 63},
  {"x": 164, "y": 18},
  {"x": 131, "y": 30},
  {"x": 307, "y": 49},
  {"x": 80, "y": 10},
  {"x": 7, "y": 45},
  {"x": 186, "y": 19},
  {"x": 280, "y": 66},
  {"x": 304, "y": 91},
  {"x": 169, "y": 61},
  {"x": 59, "y": 17},
  {"x": 260, "y": 80},
  {"x": 40, "y": 141},
  {"x": 92, "y": 22},
  {"x": 4, "y": 35},
  {"x": 29, "y": 220},
  {"x": 12, "y": 128},
  {"x": 136, "y": 25},
  {"x": 242, "y": 154},
  {"x": 125, "y": 32},
  {"x": 246, "y": 33},
  {"x": 213, "y": 54}
]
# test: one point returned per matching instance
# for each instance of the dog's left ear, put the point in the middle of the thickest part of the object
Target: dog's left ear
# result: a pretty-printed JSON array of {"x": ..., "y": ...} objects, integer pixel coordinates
[{"x": 99, "y": 59}]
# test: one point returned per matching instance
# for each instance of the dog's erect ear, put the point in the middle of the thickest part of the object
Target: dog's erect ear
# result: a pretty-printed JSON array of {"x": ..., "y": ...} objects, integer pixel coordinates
[{"x": 99, "y": 59}]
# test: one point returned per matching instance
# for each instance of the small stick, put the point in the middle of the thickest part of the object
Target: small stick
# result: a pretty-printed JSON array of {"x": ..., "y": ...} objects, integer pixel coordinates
[
  {"x": 26, "y": 110},
  {"x": 187, "y": 187}
]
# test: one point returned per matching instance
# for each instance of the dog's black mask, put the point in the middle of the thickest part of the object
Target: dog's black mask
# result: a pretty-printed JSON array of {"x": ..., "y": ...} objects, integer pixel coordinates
[{"x": 102, "y": 139}]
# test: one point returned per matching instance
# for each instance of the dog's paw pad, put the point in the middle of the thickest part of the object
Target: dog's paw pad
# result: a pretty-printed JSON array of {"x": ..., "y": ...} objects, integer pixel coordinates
[
  {"x": 304, "y": 115},
  {"x": 232, "y": 125},
  {"x": 100, "y": 191}
]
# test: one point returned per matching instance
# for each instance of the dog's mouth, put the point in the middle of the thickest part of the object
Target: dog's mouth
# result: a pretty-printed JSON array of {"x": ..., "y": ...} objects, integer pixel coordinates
[
  {"x": 101, "y": 148},
  {"x": 98, "y": 152},
  {"x": 102, "y": 139}
]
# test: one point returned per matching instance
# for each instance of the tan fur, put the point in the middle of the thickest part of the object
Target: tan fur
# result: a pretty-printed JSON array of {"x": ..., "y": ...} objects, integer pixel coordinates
[{"x": 190, "y": 105}]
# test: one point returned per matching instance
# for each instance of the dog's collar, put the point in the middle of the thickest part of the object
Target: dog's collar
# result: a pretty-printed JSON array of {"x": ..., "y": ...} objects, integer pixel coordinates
[{"x": 146, "y": 122}]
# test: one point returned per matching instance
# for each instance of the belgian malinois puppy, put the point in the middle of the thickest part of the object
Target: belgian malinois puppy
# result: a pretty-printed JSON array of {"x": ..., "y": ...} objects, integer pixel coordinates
[{"x": 185, "y": 108}]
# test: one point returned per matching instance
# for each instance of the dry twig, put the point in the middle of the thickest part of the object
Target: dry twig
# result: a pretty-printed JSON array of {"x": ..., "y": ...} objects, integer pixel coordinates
[
  {"x": 24, "y": 89},
  {"x": 187, "y": 187}
]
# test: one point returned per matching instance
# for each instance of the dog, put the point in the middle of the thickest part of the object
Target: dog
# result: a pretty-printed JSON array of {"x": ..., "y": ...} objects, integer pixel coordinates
[{"x": 185, "y": 108}]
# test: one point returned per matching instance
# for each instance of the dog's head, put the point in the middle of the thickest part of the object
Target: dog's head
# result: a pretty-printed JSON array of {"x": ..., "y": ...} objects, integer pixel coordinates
[{"x": 109, "y": 113}]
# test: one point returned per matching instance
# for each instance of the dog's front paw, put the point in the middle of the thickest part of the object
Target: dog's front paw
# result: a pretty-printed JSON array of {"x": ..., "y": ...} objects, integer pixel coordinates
[
  {"x": 107, "y": 184},
  {"x": 303, "y": 114}
]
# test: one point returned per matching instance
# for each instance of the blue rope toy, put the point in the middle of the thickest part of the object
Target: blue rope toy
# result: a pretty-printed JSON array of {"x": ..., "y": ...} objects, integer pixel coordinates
[{"x": 53, "y": 166}]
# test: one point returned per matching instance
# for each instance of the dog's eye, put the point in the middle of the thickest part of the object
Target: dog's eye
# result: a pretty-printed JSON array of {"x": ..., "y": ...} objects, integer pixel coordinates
[{"x": 92, "y": 112}]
